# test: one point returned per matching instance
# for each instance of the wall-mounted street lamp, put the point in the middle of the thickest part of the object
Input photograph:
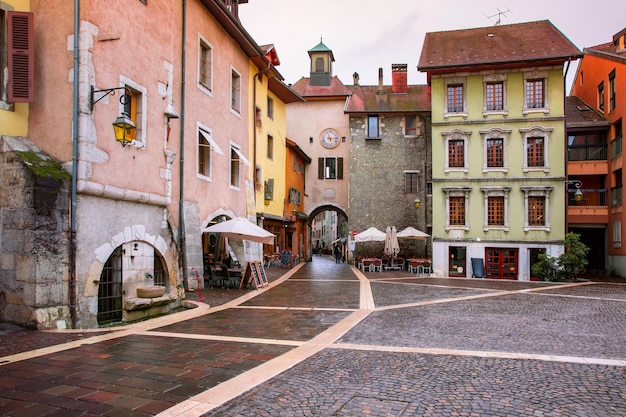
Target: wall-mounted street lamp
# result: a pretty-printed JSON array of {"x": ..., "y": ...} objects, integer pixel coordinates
[
  {"x": 417, "y": 203},
  {"x": 123, "y": 126},
  {"x": 578, "y": 195}
]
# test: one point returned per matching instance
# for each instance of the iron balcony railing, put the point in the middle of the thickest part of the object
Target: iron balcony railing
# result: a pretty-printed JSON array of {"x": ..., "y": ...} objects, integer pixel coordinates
[
  {"x": 591, "y": 197},
  {"x": 587, "y": 153}
]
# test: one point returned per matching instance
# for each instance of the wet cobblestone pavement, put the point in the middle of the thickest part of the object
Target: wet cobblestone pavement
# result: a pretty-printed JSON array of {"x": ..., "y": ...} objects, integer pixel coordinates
[
  {"x": 389, "y": 384},
  {"x": 326, "y": 340}
]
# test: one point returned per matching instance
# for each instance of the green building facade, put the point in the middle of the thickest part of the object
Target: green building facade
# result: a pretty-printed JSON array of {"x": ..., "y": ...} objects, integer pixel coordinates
[{"x": 498, "y": 148}]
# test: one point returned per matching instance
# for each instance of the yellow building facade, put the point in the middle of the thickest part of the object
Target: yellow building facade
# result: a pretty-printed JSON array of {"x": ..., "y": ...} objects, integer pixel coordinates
[{"x": 13, "y": 114}]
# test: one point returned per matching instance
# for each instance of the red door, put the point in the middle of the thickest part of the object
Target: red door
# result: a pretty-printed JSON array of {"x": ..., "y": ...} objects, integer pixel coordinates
[{"x": 501, "y": 263}]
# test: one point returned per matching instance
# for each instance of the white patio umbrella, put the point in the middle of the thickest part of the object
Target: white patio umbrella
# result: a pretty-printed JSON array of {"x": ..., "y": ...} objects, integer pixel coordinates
[
  {"x": 412, "y": 233},
  {"x": 370, "y": 235},
  {"x": 392, "y": 247},
  {"x": 241, "y": 228}
]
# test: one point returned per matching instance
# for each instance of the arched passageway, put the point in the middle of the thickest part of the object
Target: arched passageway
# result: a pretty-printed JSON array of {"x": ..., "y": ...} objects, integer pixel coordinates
[{"x": 328, "y": 229}]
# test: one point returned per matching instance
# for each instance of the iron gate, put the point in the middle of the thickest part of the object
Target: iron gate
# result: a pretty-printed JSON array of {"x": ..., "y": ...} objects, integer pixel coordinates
[{"x": 110, "y": 289}]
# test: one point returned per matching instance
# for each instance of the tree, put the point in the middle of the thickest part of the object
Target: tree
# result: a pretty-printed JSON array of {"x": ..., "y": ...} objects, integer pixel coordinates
[{"x": 566, "y": 266}]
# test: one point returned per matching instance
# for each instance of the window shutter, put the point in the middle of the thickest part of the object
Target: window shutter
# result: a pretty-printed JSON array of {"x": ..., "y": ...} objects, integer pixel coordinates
[
  {"x": 269, "y": 189},
  {"x": 21, "y": 57},
  {"x": 339, "y": 168},
  {"x": 320, "y": 168}
]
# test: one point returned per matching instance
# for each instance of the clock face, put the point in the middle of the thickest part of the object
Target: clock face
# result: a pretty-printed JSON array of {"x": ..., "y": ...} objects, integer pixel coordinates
[{"x": 329, "y": 138}]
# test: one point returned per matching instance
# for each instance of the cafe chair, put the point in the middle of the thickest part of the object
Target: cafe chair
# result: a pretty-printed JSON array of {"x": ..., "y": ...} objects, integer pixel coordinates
[
  {"x": 377, "y": 265},
  {"x": 414, "y": 266},
  {"x": 366, "y": 264}
]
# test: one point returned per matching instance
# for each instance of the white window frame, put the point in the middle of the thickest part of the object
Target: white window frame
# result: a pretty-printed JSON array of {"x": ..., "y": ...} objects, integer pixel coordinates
[
  {"x": 536, "y": 75},
  {"x": 495, "y": 78},
  {"x": 496, "y": 191},
  {"x": 454, "y": 81},
  {"x": 207, "y": 89},
  {"x": 213, "y": 147},
  {"x": 242, "y": 159},
  {"x": 537, "y": 191},
  {"x": 496, "y": 133},
  {"x": 235, "y": 76},
  {"x": 142, "y": 106},
  {"x": 457, "y": 134},
  {"x": 457, "y": 192},
  {"x": 537, "y": 132}
]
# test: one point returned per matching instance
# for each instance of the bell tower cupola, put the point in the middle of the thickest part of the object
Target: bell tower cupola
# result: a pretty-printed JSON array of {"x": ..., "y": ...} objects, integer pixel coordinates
[{"x": 321, "y": 65}]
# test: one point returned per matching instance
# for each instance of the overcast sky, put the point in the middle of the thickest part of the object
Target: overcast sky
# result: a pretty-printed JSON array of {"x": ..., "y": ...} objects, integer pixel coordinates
[{"x": 365, "y": 35}]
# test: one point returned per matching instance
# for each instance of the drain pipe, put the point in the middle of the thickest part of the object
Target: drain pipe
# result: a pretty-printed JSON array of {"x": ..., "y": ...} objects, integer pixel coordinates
[
  {"x": 72, "y": 249},
  {"x": 181, "y": 198},
  {"x": 565, "y": 153}
]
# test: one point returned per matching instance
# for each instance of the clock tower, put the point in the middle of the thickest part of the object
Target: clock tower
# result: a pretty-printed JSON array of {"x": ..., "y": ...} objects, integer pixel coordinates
[{"x": 321, "y": 65}]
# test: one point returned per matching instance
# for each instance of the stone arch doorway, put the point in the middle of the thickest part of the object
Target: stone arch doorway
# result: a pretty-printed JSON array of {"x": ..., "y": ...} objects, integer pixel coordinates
[
  {"x": 130, "y": 265},
  {"x": 327, "y": 227}
]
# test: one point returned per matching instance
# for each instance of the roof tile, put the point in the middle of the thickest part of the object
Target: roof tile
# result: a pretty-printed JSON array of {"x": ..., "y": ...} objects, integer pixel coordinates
[{"x": 496, "y": 45}]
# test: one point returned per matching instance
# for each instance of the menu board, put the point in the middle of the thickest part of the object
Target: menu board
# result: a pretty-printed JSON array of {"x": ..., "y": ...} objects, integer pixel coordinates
[{"x": 255, "y": 272}]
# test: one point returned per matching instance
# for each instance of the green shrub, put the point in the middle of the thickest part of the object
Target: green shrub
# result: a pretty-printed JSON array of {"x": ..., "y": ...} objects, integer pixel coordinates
[{"x": 568, "y": 265}]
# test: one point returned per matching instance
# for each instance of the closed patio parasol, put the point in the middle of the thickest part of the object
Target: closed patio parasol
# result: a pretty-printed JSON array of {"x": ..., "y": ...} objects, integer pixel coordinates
[{"x": 392, "y": 247}]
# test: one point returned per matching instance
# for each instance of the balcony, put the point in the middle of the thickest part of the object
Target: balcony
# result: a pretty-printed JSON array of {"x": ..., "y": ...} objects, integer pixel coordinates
[
  {"x": 587, "y": 153},
  {"x": 593, "y": 207},
  {"x": 587, "y": 160},
  {"x": 591, "y": 197}
]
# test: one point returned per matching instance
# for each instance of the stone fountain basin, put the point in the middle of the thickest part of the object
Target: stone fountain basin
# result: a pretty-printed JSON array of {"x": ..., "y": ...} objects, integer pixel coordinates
[{"x": 152, "y": 291}]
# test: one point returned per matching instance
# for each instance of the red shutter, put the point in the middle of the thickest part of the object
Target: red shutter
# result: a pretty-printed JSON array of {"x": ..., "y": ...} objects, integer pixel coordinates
[{"x": 21, "y": 56}]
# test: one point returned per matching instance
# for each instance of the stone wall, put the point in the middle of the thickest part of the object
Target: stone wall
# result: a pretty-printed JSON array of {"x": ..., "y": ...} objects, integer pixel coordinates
[
  {"x": 377, "y": 172},
  {"x": 34, "y": 243}
]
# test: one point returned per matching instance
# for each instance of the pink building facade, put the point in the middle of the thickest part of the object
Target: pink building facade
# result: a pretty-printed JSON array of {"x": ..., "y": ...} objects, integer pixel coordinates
[{"x": 181, "y": 73}]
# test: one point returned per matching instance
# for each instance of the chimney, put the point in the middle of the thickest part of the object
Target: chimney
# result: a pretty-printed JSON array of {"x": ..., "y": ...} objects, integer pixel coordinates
[
  {"x": 399, "y": 84},
  {"x": 380, "y": 79},
  {"x": 355, "y": 78}
]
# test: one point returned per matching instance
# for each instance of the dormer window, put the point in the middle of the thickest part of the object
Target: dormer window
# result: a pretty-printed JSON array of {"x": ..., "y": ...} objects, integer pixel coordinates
[{"x": 619, "y": 40}]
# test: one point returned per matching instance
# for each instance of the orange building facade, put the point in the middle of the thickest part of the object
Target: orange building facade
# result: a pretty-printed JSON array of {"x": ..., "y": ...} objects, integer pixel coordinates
[
  {"x": 600, "y": 83},
  {"x": 296, "y": 164}
]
